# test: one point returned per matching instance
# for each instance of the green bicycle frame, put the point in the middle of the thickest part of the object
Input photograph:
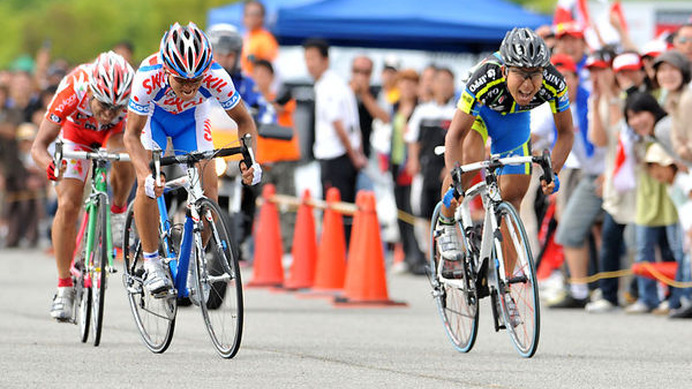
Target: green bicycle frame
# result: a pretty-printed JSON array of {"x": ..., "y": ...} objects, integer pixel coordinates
[{"x": 99, "y": 186}]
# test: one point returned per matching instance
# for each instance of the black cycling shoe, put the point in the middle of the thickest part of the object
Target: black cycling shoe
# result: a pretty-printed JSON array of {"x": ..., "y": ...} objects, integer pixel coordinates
[{"x": 569, "y": 302}]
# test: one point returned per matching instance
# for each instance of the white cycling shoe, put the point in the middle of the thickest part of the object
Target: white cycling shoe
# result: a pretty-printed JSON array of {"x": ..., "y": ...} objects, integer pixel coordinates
[
  {"x": 514, "y": 315},
  {"x": 117, "y": 225},
  {"x": 449, "y": 242},
  {"x": 63, "y": 304},
  {"x": 156, "y": 278}
]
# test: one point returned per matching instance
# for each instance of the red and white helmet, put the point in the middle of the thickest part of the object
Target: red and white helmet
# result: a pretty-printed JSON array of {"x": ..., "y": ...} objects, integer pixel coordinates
[
  {"x": 186, "y": 51},
  {"x": 111, "y": 79}
]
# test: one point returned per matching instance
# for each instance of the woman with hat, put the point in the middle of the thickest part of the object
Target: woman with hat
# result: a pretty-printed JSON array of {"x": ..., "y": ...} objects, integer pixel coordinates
[{"x": 673, "y": 75}]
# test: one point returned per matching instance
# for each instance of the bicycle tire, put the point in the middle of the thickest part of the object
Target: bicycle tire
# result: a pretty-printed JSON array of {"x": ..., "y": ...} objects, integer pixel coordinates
[
  {"x": 459, "y": 316},
  {"x": 154, "y": 318},
  {"x": 521, "y": 284},
  {"x": 82, "y": 308},
  {"x": 98, "y": 267},
  {"x": 224, "y": 321}
]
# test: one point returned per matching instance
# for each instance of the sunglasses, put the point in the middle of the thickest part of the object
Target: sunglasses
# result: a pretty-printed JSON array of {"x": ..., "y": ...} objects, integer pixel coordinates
[
  {"x": 188, "y": 81},
  {"x": 534, "y": 75},
  {"x": 109, "y": 107}
]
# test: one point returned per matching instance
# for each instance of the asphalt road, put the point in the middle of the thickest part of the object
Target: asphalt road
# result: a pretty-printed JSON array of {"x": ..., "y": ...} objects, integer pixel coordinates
[{"x": 291, "y": 342}]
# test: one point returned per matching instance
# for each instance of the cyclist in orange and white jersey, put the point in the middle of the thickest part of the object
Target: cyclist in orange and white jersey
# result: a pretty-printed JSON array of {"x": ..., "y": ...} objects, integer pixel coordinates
[{"x": 87, "y": 111}]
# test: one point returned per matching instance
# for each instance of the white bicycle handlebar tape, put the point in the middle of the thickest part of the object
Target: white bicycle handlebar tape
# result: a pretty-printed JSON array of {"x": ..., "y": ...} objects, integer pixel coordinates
[
  {"x": 256, "y": 173},
  {"x": 149, "y": 185}
]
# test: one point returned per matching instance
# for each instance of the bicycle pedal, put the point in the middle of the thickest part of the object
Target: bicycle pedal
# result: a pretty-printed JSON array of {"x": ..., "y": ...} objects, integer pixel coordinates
[
  {"x": 166, "y": 294},
  {"x": 436, "y": 293}
]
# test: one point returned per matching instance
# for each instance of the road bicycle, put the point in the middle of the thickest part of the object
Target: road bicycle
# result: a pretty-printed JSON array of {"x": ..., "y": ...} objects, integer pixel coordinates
[
  {"x": 201, "y": 255},
  {"x": 94, "y": 253},
  {"x": 496, "y": 262}
]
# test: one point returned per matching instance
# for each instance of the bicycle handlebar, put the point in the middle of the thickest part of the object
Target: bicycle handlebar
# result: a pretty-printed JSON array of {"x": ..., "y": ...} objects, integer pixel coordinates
[
  {"x": 494, "y": 163},
  {"x": 245, "y": 149},
  {"x": 100, "y": 155}
]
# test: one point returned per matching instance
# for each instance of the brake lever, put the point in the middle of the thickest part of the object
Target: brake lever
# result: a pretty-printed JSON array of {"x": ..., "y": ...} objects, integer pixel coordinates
[
  {"x": 57, "y": 158},
  {"x": 248, "y": 155},
  {"x": 547, "y": 166},
  {"x": 156, "y": 156}
]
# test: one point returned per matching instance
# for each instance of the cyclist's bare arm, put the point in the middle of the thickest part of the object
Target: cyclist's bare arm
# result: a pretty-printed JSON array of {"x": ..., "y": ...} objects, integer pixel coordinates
[
  {"x": 139, "y": 156},
  {"x": 454, "y": 142},
  {"x": 563, "y": 145},
  {"x": 47, "y": 133},
  {"x": 565, "y": 138},
  {"x": 246, "y": 125}
]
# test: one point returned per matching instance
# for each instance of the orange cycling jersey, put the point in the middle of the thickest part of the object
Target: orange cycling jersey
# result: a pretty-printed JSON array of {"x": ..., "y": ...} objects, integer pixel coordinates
[{"x": 70, "y": 109}]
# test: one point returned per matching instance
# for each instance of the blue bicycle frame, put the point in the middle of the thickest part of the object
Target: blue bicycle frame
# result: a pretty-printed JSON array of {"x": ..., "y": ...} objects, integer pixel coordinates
[{"x": 179, "y": 266}]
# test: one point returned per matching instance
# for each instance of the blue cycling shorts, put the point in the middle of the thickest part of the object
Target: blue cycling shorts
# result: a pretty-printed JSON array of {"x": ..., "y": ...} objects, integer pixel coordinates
[
  {"x": 189, "y": 130},
  {"x": 510, "y": 136}
]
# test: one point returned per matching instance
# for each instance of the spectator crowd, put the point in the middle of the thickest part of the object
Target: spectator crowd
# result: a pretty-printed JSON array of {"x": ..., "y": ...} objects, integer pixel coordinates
[{"x": 625, "y": 188}]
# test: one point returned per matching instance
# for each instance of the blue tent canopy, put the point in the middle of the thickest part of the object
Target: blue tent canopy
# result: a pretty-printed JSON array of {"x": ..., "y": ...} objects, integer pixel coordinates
[
  {"x": 449, "y": 25},
  {"x": 233, "y": 13}
]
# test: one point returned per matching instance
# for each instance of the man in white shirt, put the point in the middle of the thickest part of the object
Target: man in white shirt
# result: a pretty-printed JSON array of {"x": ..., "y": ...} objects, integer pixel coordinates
[
  {"x": 337, "y": 130},
  {"x": 425, "y": 130}
]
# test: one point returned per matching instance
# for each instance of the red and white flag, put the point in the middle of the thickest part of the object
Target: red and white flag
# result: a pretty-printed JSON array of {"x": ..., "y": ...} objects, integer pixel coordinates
[
  {"x": 624, "y": 170},
  {"x": 572, "y": 10}
]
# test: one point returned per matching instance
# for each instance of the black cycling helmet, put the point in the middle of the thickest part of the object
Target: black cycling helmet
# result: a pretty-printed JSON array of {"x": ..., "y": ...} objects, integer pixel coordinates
[{"x": 523, "y": 48}]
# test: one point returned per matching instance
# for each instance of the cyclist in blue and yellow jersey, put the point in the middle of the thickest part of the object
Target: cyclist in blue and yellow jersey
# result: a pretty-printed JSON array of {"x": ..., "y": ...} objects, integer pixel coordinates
[
  {"x": 499, "y": 94},
  {"x": 170, "y": 98}
]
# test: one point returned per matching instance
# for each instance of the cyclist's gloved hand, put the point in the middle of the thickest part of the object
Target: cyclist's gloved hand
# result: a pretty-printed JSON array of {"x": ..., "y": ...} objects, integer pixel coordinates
[
  {"x": 150, "y": 186},
  {"x": 557, "y": 183},
  {"x": 52, "y": 173},
  {"x": 256, "y": 173},
  {"x": 447, "y": 199},
  {"x": 256, "y": 176}
]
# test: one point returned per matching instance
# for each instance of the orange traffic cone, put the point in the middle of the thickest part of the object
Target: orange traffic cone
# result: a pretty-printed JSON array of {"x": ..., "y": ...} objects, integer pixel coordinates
[
  {"x": 268, "y": 251},
  {"x": 304, "y": 251},
  {"x": 366, "y": 283},
  {"x": 331, "y": 256}
]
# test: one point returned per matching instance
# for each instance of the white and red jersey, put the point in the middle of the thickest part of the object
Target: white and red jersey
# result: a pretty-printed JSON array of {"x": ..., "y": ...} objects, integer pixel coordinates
[
  {"x": 150, "y": 88},
  {"x": 71, "y": 110}
]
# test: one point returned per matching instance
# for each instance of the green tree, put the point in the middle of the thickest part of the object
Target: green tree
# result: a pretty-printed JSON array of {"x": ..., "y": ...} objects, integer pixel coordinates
[
  {"x": 79, "y": 29},
  {"x": 540, "y": 6}
]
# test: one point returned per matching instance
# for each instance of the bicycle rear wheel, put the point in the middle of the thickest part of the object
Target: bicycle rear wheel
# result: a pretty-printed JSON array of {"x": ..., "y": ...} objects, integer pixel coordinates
[
  {"x": 455, "y": 294},
  {"x": 519, "y": 281},
  {"x": 155, "y": 318},
  {"x": 219, "y": 287},
  {"x": 97, "y": 268}
]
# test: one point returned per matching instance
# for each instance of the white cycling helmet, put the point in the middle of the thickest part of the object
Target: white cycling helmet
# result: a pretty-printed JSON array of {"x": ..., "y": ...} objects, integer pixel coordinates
[
  {"x": 186, "y": 51},
  {"x": 111, "y": 78}
]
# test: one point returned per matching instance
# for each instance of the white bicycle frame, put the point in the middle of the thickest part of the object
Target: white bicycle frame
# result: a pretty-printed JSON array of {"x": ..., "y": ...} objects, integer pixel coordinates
[{"x": 490, "y": 196}]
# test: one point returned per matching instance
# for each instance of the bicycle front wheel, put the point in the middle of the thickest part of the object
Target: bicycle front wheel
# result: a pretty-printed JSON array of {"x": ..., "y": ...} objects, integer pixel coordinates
[
  {"x": 518, "y": 283},
  {"x": 82, "y": 290},
  {"x": 155, "y": 318},
  {"x": 217, "y": 273},
  {"x": 97, "y": 268},
  {"x": 83, "y": 295},
  {"x": 455, "y": 293}
]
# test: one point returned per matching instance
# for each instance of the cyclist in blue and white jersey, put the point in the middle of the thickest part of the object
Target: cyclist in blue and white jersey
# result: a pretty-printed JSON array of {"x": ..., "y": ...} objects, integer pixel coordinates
[{"x": 170, "y": 99}]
